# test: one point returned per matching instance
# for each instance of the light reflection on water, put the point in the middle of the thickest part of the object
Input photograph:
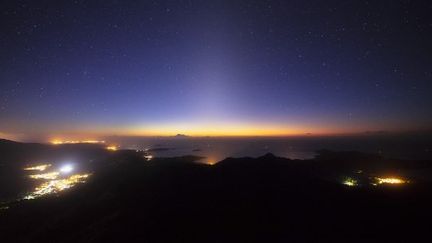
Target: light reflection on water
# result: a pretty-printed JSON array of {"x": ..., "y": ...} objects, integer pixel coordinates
[{"x": 53, "y": 181}]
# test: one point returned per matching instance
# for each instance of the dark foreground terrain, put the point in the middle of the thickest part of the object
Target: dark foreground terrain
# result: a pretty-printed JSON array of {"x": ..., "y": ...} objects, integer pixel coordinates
[{"x": 265, "y": 199}]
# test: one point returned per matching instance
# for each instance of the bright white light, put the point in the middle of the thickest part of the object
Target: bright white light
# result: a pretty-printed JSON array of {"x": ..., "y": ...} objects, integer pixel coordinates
[{"x": 65, "y": 169}]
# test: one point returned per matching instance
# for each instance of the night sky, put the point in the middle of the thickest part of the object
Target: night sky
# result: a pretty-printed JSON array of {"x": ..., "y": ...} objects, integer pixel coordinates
[{"x": 81, "y": 68}]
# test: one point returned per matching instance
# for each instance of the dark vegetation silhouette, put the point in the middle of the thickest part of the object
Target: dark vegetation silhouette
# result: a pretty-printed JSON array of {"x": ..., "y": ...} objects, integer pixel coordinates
[{"x": 264, "y": 199}]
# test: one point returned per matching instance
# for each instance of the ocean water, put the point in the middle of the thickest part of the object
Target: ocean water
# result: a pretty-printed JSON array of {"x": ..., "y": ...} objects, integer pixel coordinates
[{"x": 217, "y": 148}]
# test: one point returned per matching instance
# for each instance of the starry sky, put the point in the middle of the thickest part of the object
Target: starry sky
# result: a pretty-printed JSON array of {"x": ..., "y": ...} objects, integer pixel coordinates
[{"x": 74, "y": 68}]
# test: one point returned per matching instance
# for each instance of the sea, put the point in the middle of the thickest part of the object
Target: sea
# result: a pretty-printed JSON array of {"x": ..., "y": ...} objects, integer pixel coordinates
[{"x": 214, "y": 149}]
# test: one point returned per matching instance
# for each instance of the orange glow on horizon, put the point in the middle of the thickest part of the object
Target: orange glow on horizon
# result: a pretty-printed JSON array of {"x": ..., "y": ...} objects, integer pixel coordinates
[
  {"x": 222, "y": 130},
  {"x": 194, "y": 129}
]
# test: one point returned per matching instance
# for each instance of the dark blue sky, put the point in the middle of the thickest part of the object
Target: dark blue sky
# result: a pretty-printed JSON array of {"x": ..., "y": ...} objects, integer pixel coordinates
[{"x": 206, "y": 68}]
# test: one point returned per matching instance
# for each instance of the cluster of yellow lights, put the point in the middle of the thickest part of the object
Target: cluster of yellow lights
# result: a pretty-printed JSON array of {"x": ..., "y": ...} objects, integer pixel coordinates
[
  {"x": 38, "y": 167},
  {"x": 112, "y": 148},
  {"x": 46, "y": 176},
  {"x": 54, "y": 181},
  {"x": 211, "y": 159},
  {"x": 55, "y": 186},
  {"x": 57, "y": 142},
  {"x": 148, "y": 157},
  {"x": 350, "y": 182},
  {"x": 4, "y": 207},
  {"x": 390, "y": 180},
  {"x": 377, "y": 181}
]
